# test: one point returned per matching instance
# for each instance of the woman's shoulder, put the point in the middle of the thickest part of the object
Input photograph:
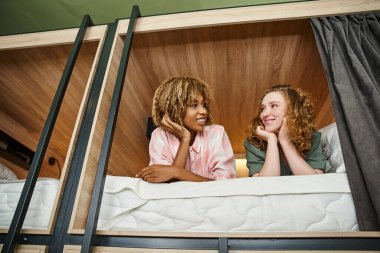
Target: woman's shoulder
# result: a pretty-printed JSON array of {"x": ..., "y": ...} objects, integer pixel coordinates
[
  {"x": 316, "y": 136},
  {"x": 315, "y": 140},
  {"x": 216, "y": 132},
  {"x": 159, "y": 133},
  {"x": 252, "y": 151},
  {"x": 249, "y": 145},
  {"x": 214, "y": 128}
]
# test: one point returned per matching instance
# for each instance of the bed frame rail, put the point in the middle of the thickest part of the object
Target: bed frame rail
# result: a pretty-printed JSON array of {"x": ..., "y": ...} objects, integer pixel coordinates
[
  {"x": 65, "y": 210},
  {"x": 97, "y": 194},
  {"x": 221, "y": 244}
]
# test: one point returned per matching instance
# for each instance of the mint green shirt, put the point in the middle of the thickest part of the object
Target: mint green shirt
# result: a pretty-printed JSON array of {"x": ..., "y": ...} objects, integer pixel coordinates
[{"x": 256, "y": 157}]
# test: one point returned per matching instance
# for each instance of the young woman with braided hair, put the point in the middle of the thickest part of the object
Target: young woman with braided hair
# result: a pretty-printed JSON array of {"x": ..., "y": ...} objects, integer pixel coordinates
[{"x": 186, "y": 146}]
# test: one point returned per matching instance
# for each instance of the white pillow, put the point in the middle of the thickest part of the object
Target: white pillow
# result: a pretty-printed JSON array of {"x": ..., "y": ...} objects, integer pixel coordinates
[
  {"x": 6, "y": 174},
  {"x": 332, "y": 152}
]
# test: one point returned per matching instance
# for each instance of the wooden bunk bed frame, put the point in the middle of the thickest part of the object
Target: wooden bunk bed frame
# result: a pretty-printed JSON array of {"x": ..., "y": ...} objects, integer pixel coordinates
[{"x": 73, "y": 227}]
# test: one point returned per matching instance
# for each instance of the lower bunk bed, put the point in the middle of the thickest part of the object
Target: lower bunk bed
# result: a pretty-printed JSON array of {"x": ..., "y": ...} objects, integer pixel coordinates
[
  {"x": 278, "y": 213},
  {"x": 289, "y": 212},
  {"x": 273, "y": 213}
]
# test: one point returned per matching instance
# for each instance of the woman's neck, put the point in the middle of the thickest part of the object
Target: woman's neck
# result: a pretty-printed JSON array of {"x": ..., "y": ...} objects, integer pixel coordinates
[{"x": 192, "y": 139}]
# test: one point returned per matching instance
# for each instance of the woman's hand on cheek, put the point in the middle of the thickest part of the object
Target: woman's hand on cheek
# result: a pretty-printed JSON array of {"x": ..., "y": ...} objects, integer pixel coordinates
[
  {"x": 178, "y": 131},
  {"x": 283, "y": 133},
  {"x": 157, "y": 173},
  {"x": 265, "y": 135}
]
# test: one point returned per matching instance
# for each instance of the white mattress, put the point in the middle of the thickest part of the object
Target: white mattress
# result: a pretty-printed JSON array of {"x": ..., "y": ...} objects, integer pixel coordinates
[
  {"x": 40, "y": 207},
  {"x": 273, "y": 204},
  {"x": 288, "y": 203}
]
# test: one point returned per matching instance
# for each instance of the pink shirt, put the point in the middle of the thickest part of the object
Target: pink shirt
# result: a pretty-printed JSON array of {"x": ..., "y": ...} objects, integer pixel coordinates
[{"x": 210, "y": 155}]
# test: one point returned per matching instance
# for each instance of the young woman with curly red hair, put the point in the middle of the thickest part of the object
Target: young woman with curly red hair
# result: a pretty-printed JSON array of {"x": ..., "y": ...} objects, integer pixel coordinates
[{"x": 282, "y": 139}]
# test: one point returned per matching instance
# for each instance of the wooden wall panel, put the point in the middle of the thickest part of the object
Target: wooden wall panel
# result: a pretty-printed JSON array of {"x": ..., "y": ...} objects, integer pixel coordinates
[
  {"x": 28, "y": 82},
  {"x": 239, "y": 62}
]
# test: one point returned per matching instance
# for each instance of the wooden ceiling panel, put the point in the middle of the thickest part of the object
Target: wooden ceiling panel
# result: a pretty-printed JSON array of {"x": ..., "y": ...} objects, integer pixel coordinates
[
  {"x": 238, "y": 61},
  {"x": 28, "y": 82}
]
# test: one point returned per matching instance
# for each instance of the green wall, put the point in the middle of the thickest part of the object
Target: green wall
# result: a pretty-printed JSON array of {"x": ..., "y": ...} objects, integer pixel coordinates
[{"x": 24, "y": 16}]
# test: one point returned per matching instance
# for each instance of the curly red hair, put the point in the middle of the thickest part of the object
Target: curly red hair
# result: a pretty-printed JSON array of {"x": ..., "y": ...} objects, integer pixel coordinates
[{"x": 300, "y": 119}]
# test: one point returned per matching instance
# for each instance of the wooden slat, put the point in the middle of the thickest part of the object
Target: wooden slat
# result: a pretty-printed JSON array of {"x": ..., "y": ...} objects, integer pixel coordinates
[
  {"x": 29, "y": 248},
  {"x": 259, "y": 13},
  {"x": 57, "y": 37}
]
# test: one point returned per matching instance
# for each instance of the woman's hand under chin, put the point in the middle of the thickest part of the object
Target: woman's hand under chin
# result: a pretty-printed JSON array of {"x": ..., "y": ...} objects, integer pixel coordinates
[
  {"x": 265, "y": 135},
  {"x": 175, "y": 129}
]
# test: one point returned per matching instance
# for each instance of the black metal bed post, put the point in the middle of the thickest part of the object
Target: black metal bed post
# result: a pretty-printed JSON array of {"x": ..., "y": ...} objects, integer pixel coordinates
[
  {"x": 27, "y": 191},
  {"x": 60, "y": 235},
  {"x": 223, "y": 245},
  {"x": 97, "y": 194}
]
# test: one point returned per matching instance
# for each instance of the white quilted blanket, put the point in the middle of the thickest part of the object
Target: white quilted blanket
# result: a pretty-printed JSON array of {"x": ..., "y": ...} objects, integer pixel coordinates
[
  {"x": 288, "y": 203},
  {"x": 41, "y": 204}
]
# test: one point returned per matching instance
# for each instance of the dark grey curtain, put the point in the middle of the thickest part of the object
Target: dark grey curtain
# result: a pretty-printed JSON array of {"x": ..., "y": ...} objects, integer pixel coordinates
[{"x": 350, "y": 51}]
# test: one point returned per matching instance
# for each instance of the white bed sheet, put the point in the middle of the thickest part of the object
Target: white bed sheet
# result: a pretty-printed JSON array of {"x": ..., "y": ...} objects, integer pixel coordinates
[
  {"x": 41, "y": 204},
  {"x": 273, "y": 204}
]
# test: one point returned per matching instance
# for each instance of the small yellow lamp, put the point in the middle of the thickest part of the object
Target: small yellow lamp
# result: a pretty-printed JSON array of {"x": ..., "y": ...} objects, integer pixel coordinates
[{"x": 241, "y": 165}]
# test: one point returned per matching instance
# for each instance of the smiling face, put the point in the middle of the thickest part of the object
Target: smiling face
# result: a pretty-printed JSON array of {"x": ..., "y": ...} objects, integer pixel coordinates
[
  {"x": 195, "y": 115},
  {"x": 273, "y": 110}
]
